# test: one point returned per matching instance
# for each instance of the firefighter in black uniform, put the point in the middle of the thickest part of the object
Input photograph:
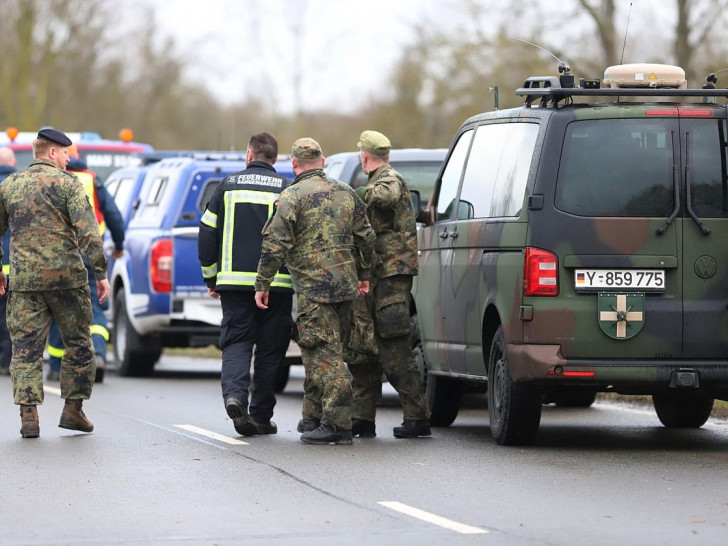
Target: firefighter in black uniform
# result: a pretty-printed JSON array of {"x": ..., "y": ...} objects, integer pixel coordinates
[{"x": 229, "y": 249}]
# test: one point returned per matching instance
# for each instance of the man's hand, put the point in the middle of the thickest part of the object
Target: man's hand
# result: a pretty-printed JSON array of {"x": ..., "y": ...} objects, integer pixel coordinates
[
  {"x": 102, "y": 289},
  {"x": 3, "y": 283},
  {"x": 212, "y": 292},
  {"x": 261, "y": 299},
  {"x": 363, "y": 288},
  {"x": 116, "y": 253}
]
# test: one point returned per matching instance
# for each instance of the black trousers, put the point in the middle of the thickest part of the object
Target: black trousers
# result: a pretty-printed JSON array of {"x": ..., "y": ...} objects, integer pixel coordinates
[{"x": 245, "y": 330}]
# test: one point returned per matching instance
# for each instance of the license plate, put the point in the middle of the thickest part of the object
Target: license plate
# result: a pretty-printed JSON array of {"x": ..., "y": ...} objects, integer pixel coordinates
[{"x": 622, "y": 279}]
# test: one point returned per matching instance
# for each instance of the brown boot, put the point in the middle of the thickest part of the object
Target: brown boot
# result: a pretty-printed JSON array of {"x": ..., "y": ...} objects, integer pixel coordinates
[
  {"x": 73, "y": 417},
  {"x": 29, "y": 426}
]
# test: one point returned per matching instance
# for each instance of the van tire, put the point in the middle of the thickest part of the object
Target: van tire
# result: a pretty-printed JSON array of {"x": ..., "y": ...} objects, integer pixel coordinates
[
  {"x": 136, "y": 355},
  {"x": 442, "y": 394},
  {"x": 514, "y": 410},
  {"x": 682, "y": 410}
]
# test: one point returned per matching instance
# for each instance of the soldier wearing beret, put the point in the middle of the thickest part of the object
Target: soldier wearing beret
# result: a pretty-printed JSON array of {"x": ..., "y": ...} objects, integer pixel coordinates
[
  {"x": 51, "y": 226},
  {"x": 389, "y": 208},
  {"x": 321, "y": 232}
]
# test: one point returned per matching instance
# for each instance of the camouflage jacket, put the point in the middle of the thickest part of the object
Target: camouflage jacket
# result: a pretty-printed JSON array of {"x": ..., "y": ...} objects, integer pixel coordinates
[
  {"x": 321, "y": 232},
  {"x": 51, "y": 225},
  {"x": 393, "y": 220}
]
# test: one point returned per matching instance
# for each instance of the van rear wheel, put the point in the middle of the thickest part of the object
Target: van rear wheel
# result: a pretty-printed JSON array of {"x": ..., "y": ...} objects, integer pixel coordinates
[
  {"x": 442, "y": 394},
  {"x": 514, "y": 410},
  {"x": 682, "y": 409}
]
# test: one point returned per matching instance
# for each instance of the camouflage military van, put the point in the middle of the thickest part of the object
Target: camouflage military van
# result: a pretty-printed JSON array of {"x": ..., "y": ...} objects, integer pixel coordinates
[{"x": 579, "y": 244}]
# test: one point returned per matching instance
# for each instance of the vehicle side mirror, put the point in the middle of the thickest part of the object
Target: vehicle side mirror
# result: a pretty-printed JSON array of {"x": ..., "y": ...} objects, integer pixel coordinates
[
  {"x": 416, "y": 201},
  {"x": 466, "y": 211}
]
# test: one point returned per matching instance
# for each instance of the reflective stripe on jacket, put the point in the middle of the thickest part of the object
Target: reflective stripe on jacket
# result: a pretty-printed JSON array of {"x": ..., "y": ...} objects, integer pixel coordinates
[{"x": 230, "y": 229}]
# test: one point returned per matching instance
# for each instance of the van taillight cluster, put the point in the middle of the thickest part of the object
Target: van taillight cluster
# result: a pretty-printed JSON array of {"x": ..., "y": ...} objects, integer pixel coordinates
[
  {"x": 540, "y": 273},
  {"x": 160, "y": 268}
]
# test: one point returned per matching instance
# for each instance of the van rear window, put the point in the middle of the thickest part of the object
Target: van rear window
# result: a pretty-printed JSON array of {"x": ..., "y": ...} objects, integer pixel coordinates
[{"x": 617, "y": 167}]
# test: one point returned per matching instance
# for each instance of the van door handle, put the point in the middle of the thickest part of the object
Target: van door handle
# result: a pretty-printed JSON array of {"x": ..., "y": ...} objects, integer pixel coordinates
[
  {"x": 443, "y": 235},
  {"x": 454, "y": 235}
]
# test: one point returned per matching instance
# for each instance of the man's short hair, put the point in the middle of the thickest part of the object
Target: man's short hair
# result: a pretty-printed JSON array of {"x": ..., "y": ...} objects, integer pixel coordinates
[
  {"x": 41, "y": 147},
  {"x": 264, "y": 147}
]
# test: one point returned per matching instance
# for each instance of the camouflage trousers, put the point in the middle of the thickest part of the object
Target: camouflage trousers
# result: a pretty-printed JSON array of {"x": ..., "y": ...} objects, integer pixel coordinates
[
  {"x": 29, "y": 320},
  {"x": 327, "y": 385},
  {"x": 391, "y": 304}
]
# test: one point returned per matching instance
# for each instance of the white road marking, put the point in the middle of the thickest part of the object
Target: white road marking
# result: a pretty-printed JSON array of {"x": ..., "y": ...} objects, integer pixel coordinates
[
  {"x": 52, "y": 390},
  {"x": 213, "y": 435},
  {"x": 432, "y": 518}
]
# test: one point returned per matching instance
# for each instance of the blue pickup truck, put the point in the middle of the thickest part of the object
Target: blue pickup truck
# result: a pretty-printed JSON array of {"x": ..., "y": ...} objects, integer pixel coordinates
[{"x": 158, "y": 298}]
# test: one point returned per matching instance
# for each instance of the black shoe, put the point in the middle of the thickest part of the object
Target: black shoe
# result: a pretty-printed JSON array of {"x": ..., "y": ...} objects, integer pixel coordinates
[
  {"x": 413, "y": 429},
  {"x": 242, "y": 422},
  {"x": 327, "y": 435},
  {"x": 266, "y": 427},
  {"x": 100, "y": 366},
  {"x": 363, "y": 428},
  {"x": 308, "y": 425}
]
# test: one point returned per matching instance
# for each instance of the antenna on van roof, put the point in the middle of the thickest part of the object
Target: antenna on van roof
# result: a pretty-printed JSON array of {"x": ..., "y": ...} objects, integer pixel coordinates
[
  {"x": 626, "y": 30},
  {"x": 566, "y": 78}
]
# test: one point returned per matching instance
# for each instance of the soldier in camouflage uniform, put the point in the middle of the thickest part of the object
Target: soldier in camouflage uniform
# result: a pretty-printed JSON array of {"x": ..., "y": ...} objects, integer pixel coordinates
[
  {"x": 321, "y": 232},
  {"x": 394, "y": 264},
  {"x": 51, "y": 225}
]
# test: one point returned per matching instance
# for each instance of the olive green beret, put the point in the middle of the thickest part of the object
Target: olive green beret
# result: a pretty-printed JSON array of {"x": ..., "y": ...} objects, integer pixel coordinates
[
  {"x": 306, "y": 148},
  {"x": 374, "y": 142}
]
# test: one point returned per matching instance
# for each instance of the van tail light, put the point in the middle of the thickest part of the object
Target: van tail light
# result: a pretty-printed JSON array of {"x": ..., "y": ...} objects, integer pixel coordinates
[
  {"x": 540, "y": 273},
  {"x": 160, "y": 268}
]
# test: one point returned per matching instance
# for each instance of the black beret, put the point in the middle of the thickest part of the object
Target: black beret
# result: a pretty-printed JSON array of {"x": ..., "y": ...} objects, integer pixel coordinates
[{"x": 54, "y": 136}]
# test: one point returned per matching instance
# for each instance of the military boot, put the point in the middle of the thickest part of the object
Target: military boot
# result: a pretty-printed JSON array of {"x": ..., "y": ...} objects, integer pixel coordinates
[
  {"x": 266, "y": 427},
  {"x": 73, "y": 418},
  {"x": 238, "y": 412},
  {"x": 363, "y": 428},
  {"x": 29, "y": 425},
  {"x": 308, "y": 425},
  {"x": 413, "y": 429},
  {"x": 327, "y": 435}
]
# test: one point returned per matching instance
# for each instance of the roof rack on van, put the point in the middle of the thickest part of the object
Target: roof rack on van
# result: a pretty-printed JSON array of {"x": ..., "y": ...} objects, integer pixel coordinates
[{"x": 631, "y": 80}]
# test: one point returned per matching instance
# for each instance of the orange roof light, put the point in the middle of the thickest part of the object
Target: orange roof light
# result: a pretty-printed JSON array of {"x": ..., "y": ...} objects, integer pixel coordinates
[
  {"x": 12, "y": 133},
  {"x": 126, "y": 135},
  {"x": 73, "y": 151}
]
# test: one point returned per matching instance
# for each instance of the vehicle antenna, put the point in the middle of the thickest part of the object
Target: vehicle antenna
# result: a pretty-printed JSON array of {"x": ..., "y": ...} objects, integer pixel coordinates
[
  {"x": 712, "y": 78},
  {"x": 561, "y": 63},
  {"x": 566, "y": 78},
  {"x": 624, "y": 44}
]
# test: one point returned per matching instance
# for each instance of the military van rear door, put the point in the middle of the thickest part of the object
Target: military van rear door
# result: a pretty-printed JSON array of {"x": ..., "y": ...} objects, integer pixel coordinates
[
  {"x": 705, "y": 232},
  {"x": 613, "y": 224}
]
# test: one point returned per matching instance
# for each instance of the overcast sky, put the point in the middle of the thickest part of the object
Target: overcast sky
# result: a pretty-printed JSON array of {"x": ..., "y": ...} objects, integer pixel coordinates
[{"x": 343, "y": 47}]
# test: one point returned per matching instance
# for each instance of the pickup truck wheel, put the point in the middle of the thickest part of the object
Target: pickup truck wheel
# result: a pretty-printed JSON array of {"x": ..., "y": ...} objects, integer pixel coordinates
[
  {"x": 135, "y": 354},
  {"x": 514, "y": 410},
  {"x": 682, "y": 409},
  {"x": 442, "y": 394}
]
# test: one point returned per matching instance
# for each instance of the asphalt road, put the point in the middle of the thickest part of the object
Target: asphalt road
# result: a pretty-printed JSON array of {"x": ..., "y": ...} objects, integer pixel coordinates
[{"x": 165, "y": 466}]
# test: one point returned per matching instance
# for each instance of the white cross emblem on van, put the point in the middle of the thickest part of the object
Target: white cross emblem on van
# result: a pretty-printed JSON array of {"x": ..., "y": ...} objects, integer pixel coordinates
[{"x": 621, "y": 316}]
